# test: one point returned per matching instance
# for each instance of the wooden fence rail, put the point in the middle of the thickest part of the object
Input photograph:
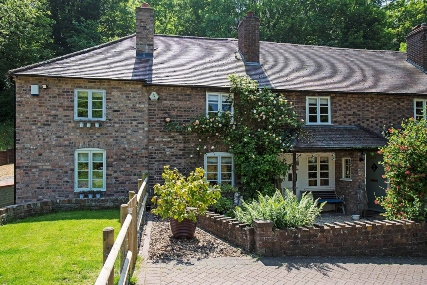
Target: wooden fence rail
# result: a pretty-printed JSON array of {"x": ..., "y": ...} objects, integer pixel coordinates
[{"x": 126, "y": 244}]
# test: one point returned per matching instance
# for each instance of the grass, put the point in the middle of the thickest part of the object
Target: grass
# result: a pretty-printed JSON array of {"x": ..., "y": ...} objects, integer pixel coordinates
[
  {"x": 60, "y": 248},
  {"x": 6, "y": 135}
]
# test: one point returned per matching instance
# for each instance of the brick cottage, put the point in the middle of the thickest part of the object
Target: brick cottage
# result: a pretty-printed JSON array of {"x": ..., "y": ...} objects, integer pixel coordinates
[{"x": 94, "y": 120}]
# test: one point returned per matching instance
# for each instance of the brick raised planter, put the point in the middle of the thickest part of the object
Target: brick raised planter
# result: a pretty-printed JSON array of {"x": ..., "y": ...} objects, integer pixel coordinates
[{"x": 377, "y": 238}]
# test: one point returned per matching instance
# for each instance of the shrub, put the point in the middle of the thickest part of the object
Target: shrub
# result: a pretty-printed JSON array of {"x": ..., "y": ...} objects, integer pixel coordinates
[
  {"x": 405, "y": 164},
  {"x": 284, "y": 211},
  {"x": 182, "y": 198}
]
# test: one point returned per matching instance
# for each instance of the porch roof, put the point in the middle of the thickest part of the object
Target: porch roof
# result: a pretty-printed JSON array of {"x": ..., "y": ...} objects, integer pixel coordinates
[{"x": 338, "y": 137}]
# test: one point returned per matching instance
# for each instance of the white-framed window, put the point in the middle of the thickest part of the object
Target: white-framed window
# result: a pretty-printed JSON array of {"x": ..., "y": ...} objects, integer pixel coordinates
[
  {"x": 318, "y": 171},
  {"x": 346, "y": 168},
  {"x": 318, "y": 110},
  {"x": 420, "y": 109},
  {"x": 90, "y": 170},
  {"x": 219, "y": 168},
  {"x": 218, "y": 102},
  {"x": 89, "y": 104}
]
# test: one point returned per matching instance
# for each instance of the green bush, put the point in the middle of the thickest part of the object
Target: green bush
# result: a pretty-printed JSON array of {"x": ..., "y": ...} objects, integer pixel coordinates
[
  {"x": 224, "y": 206},
  {"x": 284, "y": 211},
  {"x": 6, "y": 135},
  {"x": 183, "y": 197},
  {"x": 405, "y": 164}
]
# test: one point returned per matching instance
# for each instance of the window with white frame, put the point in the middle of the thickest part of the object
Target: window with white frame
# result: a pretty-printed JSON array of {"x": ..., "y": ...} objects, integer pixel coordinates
[
  {"x": 219, "y": 168},
  {"x": 318, "y": 171},
  {"x": 90, "y": 170},
  {"x": 420, "y": 109},
  {"x": 318, "y": 110},
  {"x": 346, "y": 168},
  {"x": 89, "y": 104},
  {"x": 218, "y": 102}
]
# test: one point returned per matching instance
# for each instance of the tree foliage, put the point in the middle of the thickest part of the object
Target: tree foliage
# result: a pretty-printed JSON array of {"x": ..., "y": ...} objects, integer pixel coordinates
[{"x": 405, "y": 163}]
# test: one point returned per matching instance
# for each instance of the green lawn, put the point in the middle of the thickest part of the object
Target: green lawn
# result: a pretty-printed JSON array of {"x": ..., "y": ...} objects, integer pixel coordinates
[
  {"x": 6, "y": 135},
  {"x": 61, "y": 248}
]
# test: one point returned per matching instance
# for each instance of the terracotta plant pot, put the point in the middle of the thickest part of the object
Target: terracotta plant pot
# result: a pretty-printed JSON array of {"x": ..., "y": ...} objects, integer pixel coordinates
[{"x": 184, "y": 229}]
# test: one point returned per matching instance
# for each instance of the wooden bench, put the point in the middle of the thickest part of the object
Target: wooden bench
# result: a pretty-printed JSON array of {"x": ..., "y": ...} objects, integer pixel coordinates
[{"x": 328, "y": 196}]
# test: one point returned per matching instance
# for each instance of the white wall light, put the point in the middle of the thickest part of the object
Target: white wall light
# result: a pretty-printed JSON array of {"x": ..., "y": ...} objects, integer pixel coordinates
[{"x": 34, "y": 90}]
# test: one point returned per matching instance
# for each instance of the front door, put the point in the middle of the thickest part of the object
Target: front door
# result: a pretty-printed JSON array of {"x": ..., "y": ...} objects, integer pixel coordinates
[{"x": 375, "y": 184}]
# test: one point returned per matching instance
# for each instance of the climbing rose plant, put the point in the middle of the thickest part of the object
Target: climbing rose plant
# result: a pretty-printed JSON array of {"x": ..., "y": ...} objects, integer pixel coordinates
[
  {"x": 262, "y": 127},
  {"x": 405, "y": 163}
]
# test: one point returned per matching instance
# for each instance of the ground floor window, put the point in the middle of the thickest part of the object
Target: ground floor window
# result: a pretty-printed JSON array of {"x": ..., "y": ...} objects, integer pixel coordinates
[
  {"x": 219, "y": 168},
  {"x": 346, "y": 168},
  {"x": 318, "y": 171},
  {"x": 89, "y": 170}
]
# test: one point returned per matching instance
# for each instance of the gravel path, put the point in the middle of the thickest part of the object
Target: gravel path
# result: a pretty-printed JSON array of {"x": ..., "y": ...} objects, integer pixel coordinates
[{"x": 6, "y": 171}]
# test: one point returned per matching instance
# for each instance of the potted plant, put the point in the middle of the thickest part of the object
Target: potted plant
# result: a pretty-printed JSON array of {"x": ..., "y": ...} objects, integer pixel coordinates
[{"x": 182, "y": 199}]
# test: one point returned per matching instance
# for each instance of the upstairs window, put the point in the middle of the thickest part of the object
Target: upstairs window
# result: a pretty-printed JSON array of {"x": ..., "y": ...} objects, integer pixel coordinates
[
  {"x": 218, "y": 102},
  {"x": 219, "y": 168},
  {"x": 89, "y": 105},
  {"x": 318, "y": 110},
  {"x": 89, "y": 170},
  {"x": 420, "y": 109}
]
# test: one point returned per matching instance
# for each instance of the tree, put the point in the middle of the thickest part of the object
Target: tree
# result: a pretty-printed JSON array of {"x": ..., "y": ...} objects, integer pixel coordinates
[
  {"x": 25, "y": 34},
  {"x": 405, "y": 163},
  {"x": 402, "y": 16}
]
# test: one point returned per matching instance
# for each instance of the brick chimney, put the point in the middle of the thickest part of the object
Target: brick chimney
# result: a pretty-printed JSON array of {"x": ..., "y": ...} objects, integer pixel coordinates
[
  {"x": 144, "y": 31},
  {"x": 248, "y": 36},
  {"x": 416, "y": 46}
]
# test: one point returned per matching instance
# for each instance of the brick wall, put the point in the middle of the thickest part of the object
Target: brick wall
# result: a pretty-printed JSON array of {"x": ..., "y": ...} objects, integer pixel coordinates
[
  {"x": 416, "y": 46},
  {"x": 47, "y": 136},
  {"x": 25, "y": 210},
  {"x": 378, "y": 238}
]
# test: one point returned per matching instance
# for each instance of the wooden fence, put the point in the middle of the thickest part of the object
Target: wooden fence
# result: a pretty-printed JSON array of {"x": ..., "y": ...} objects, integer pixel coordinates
[{"x": 126, "y": 244}]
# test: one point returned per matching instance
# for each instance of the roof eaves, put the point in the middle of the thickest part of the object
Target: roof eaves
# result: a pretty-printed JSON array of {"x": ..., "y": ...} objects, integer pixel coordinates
[{"x": 38, "y": 64}]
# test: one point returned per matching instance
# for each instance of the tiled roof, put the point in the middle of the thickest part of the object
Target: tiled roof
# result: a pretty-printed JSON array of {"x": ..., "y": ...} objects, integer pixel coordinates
[
  {"x": 338, "y": 137},
  {"x": 192, "y": 61}
]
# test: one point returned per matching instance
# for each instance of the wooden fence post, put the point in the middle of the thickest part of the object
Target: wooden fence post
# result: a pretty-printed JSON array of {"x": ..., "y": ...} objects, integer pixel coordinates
[
  {"x": 125, "y": 245},
  {"x": 139, "y": 184},
  {"x": 108, "y": 242}
]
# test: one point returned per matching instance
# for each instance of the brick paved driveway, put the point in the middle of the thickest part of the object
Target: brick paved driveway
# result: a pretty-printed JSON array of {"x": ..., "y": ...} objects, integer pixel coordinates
[{"x": 288, "y": 270}]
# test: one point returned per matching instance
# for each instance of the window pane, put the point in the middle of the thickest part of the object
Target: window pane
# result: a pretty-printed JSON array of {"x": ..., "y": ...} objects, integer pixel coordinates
[
  {"x": 97, "y": 165},
  {"x": 97, "y": 96},
  {"x": 312, "y": 110},
  {"x": 312, "y": 182},
  {"x": 97, "y": 105},
  {"x": 225, "y": 176},
  {"x": 97, "y": 174},
  {"x": 83, "y": 184},
  {"x": 312, "y": 167},
  {"x": 324, "y": 174},
  {"x": 312, "y": 159},
  {"x": 82, "y": 113},
  {"x": 324, "y": 182},
  {"x": 83, "y": 166},
  {"x": 324, "y": 118},
  {"x": 212, "y": 160},
  {"x": 97, "y": 184},
  {"x": 312, "y": 175},
  {"x": 226, "y": 168},
  {"x": 98, "y": 157},
  {"x": 212, "y": 107},
  {"x": 212, "y": 168},
  {"x": 312, "y": 102},
  {"x": 324, "y": 167},
  {"x": 83, "y": 175},
  {"x": 97, "y": 114},
  {"x": 83, "y": 157},
  {"x": 324, "y": 159},
  {"x": 226, "y": 159},
  {"x": 83, "y": 95},
  {"x": 212, "y": 176},
  {"x": 312, "y": 119},
  {"x": 324, "y": 110},
  {"x": 324, "y": 101}
]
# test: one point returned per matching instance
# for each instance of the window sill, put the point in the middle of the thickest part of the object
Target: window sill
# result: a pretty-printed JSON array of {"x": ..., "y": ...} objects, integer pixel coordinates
[{"x": 346, "y": 179}]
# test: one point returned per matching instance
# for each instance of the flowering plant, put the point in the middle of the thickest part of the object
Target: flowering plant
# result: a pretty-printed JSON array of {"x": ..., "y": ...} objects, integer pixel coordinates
[
  {"x": 405, "y": 164},
  {"x": 263, "y": 126}
]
